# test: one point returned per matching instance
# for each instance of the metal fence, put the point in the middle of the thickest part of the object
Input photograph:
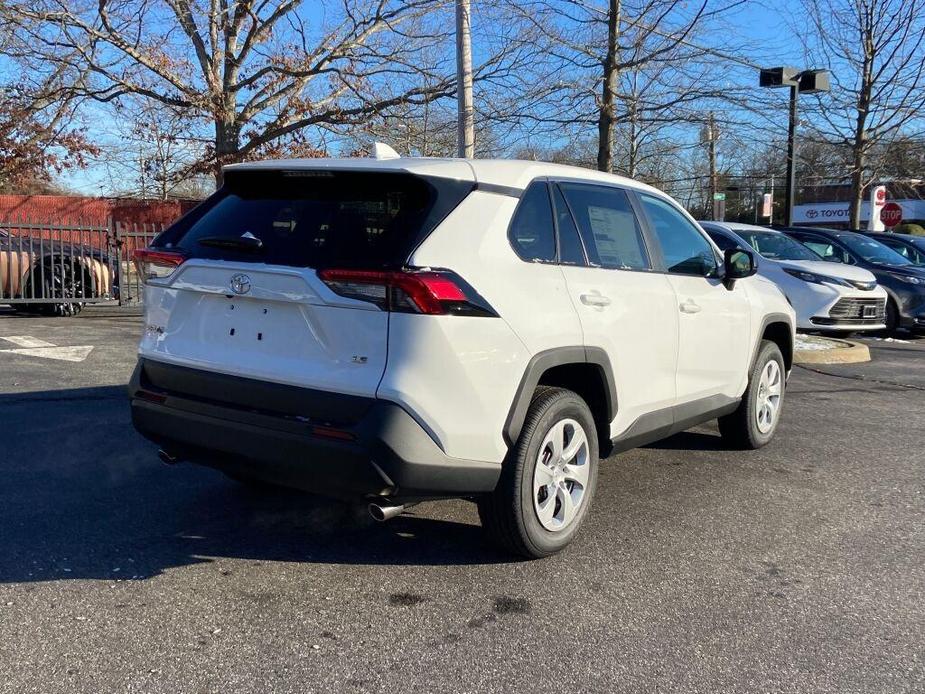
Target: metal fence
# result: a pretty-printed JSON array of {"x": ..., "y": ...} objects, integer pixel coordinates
[
  {"x": 57, "y": 269},
  {"x": 128, "y": 238}
]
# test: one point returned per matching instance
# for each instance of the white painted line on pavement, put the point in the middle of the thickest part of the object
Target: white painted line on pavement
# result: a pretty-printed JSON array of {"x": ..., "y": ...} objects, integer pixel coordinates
[
  {"x": 33, "y": 347},
  {"x": 26, "y": 341},
  {"x": 76, "y": 354}
]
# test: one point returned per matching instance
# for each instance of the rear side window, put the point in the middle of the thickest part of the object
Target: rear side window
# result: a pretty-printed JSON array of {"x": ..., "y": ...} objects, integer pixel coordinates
[
  {"x": 685, "y": 249},
  {"x": 532, "y": 232},
  {"x": 571, "y": 251},
  {"x": 724, "y": 242},
  {"x": 608, "y": 225},
  {"x": 316, "y": 219}
]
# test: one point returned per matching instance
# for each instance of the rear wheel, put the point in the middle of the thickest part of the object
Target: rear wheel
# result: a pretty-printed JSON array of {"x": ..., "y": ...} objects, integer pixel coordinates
[
  {"x": 753, "y": 424},
  {"x": 64, "y": 282},
  {"x": 548, "y": 480}
]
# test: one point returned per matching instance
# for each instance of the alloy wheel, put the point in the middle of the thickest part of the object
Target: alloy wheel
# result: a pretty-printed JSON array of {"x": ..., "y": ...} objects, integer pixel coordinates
[
  {"x": 770, "y": 388},
  {"x": 560, "y": 476}
]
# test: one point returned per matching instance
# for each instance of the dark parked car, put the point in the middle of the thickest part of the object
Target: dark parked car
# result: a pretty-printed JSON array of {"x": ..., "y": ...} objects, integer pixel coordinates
[
  {"x": 903, "y": 281},
  {"x": 912, "y": 248},
  {"x": 52, "y": 276}
]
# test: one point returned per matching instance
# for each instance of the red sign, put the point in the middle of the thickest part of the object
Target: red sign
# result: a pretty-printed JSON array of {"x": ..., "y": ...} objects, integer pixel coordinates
[
  {"x": 891, "y": 214},
  {"x": 881, "y": 195}
]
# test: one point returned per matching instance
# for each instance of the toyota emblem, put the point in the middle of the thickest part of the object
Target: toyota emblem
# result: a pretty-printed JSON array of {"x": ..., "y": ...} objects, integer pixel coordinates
[{"x": 240, "y": 283}]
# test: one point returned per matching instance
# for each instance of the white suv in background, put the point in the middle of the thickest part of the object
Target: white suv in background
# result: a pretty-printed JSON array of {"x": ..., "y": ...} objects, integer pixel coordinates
[
  {"x": 414, "y": 329},
  {"x": 826, "y": 296}
]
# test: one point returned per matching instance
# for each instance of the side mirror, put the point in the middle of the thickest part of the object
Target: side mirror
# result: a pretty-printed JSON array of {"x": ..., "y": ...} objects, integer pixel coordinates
[{"x": 737, "y": 265}]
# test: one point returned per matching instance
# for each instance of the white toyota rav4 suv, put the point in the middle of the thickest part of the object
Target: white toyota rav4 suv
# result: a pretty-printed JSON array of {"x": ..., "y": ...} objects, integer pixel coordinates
[{"x": 412, "y": 329}]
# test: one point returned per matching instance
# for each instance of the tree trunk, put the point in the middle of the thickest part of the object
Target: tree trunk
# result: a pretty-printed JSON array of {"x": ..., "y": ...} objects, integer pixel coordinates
[
  {"x": 607, "y": 114},
  {"x": 227, "y": 145},
  {"x": 860, "y": 144},
  {"x": 857, "y": 183}
]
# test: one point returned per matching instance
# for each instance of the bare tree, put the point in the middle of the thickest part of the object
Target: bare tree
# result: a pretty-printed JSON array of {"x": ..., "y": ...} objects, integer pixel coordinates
[
  {"x": 255, "y": 71},
  {"x": 600, "y": 54},
  {"x": 874, "y": 51},
  {"x": 151, "y": 152}
]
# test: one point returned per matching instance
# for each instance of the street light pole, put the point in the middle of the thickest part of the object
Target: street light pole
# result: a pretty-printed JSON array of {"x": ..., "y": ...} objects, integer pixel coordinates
[
  {"x": 791, "y": 156},
  {"x": 807, "y": 81}
]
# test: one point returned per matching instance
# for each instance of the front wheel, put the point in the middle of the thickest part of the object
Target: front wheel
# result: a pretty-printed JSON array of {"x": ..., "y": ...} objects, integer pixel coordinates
[
  {"x": 891, "y": 318},
  {"x": 753, "y": 424},
  {"x": 548, "y": 480}
]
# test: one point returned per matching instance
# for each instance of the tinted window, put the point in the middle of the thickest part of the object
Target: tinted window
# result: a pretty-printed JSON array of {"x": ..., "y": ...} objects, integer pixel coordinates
[
  {"x": 608, "y": 226},
  {"x": 571, "y": 251},
  {"x": 316, "y": 218},
  {"x": 724, "y": 242},
  {"x": 872, "y": 251},
  {"x": 532, "y": 233},
  {"x": 777, "y": 246},
  {"x": 825, "y": 248},
  {"x": 911, "y": 252},
  {"x": 904, "y": 251},
  {"x": 685, "y": 249}
]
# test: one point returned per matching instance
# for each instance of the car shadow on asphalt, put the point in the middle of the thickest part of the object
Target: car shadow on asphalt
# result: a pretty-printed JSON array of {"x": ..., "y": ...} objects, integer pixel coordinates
[
  {"x": 690, "y": 441},
  {"x": 83, "y": 496}
]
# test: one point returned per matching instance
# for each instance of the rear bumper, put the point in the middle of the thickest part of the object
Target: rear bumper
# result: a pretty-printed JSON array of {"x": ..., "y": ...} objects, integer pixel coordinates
[{"x": 383, "y": 451}]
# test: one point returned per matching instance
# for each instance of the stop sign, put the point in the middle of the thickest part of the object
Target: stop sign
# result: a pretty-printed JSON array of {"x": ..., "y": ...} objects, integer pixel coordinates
[{"x": 891, "y": 214}]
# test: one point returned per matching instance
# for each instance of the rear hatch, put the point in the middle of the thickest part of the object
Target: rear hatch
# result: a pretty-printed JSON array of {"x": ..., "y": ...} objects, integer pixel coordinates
[{"x": 234, "y": 287}]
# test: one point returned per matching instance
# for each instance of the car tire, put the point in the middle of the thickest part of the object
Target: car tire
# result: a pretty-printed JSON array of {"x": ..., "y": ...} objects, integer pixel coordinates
[
  {"x": 892, "y": 317},
  {"x": 753, "y": 424},
  {"x": 548, "y": 479},
  {"x": 60, "y": 282}
]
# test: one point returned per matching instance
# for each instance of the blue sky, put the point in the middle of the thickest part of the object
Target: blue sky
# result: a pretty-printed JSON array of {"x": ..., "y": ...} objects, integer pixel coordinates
[{"x": 766, "y": 30}]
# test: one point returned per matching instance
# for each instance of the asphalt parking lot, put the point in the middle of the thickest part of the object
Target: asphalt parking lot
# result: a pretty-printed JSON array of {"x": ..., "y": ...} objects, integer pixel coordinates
[{"x": 797, "y": 568}]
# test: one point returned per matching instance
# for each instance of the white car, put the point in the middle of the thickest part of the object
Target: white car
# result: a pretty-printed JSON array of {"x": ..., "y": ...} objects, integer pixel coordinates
[
  {"x": 409, "y": 329},
  {"x": 826, "y": 296}
]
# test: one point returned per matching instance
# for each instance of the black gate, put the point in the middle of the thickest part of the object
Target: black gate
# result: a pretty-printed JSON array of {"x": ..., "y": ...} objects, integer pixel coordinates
[
  {"x": 57, "y": 269},
  {"x": 129, "y": 238}
]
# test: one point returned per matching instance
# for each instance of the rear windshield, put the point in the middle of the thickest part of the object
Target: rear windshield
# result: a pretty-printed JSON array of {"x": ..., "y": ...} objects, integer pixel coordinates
[{"x": 316, "y": 218}]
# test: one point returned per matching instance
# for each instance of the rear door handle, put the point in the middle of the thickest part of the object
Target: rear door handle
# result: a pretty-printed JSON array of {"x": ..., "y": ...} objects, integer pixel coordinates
[
  {"x": 689, "y": 306},
  {"x": 595, "y": 299}
]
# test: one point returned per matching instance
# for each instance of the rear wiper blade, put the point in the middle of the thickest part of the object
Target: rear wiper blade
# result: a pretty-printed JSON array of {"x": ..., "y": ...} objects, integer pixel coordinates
[{"x": 248, "y": 244}]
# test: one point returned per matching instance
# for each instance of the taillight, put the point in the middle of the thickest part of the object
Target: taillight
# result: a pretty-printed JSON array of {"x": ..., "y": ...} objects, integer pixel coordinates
[
  {"x": 156, "y": 264},
  {"x": 434, "y": 292}
]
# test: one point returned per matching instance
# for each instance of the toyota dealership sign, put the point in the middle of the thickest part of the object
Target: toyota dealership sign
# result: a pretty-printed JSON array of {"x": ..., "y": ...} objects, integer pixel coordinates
[{"x": 840, "y": 212}]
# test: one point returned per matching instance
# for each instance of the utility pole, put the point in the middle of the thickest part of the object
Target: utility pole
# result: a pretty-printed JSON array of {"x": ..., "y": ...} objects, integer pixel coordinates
[
  {"x": 718, "y": 205},
  {"x": 465, "y": 118}
]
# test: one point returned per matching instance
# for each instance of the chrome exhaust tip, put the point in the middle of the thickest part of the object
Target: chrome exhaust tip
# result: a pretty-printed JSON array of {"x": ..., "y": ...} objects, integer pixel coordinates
[{"x": 384, "y": 513}]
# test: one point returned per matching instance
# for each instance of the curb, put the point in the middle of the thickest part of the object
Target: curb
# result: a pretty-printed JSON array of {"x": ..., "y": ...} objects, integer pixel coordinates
[{"x": 842, "y": 352}]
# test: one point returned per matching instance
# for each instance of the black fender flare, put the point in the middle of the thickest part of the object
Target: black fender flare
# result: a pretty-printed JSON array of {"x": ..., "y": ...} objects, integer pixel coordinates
[
  {"x": 765, "y": 322},
  {"x": 542, "y": 362}
]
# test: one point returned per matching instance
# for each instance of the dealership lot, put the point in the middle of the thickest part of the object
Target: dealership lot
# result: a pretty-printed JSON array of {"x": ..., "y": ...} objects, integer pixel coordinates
[{"x": 794, "y": 568}]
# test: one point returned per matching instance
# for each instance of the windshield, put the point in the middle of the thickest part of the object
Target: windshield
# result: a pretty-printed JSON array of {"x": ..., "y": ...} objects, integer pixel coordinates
[
  {"x": 777, "y": 246},
  {"x": 872, "y": 251}
]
